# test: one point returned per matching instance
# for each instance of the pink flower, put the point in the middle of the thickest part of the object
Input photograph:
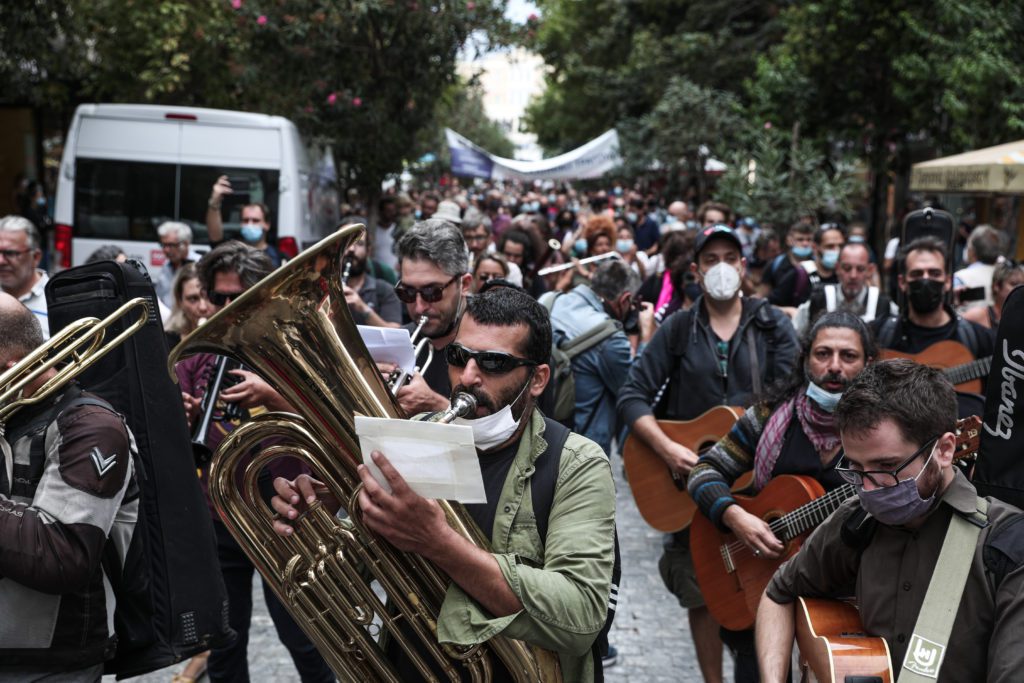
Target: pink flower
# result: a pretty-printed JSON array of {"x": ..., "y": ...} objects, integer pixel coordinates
[
  {"x": 532, "y": 18},
  {"x": 357, "y": 101},
  {"x": 767, "y": 125},
  {"x": 332, "y": 98},
  {"x": 236, "y": 4},
  {"x": 309, "y": 109},
  {"x": 471, "y": 6},
  {"x": 261, "y": 19}
]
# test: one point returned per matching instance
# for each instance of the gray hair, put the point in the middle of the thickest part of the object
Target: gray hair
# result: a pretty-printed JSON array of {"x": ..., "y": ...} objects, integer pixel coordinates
[
  {"x": 474, "y": 219},
  {"x": 614, "y": 277},
  {"x": 252, "y": 265},
  {"x": 14, "y": 223},
  {"x": 437, "y": 241},
  {"x": 987, "y": 244},
  {"x": 183, "y": 232},
  {"x": 21, "y": 330}
]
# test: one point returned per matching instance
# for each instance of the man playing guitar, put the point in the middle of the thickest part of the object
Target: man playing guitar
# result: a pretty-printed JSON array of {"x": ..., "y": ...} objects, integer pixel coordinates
[
  {"x": 721, "y": 352},
  {"x": 927, "y": 318},
  {"x": 897, "y": 422},
  {"x": 791, "y": 432}
]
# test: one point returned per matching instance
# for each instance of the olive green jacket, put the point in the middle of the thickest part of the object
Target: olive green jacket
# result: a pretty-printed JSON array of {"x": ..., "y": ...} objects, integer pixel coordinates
[{"x": 563, "y": 584}]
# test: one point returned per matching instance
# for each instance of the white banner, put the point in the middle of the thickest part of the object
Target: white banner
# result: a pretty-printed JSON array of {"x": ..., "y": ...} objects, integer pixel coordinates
[{"x": 592, "y": 160}]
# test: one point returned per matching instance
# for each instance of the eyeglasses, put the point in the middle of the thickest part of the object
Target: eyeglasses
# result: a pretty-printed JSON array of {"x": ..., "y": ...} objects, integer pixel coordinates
[
  {"x": 487, "y": 277},
  {"x": 11, "y": 254},
  {"x": 430, "y": 293},
  {"x": 880, "y": 478},
  {"x": 222, "y": 298},
  {"x": 491, "y": 362},
  {"x": 171, "y": 245}
]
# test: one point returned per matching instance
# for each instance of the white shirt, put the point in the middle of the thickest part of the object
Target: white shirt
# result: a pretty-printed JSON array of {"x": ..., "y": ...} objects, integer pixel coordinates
[{"x": 35, "y": 301}]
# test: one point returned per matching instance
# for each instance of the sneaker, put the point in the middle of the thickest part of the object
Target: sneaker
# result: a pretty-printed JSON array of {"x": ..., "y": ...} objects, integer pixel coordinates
[{"x": 610, "y": 657}]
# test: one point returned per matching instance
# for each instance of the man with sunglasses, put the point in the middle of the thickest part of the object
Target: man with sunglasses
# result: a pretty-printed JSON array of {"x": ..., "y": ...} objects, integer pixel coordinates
[
  {"x": 225, "y": 273},
  {"x": 548, "y": 586},
  {"x": 852, "y": 293},
  {"x": 723, "y": 350},
  {"x": 434, "y": 280},
  {"x": 897, "y": 422}
]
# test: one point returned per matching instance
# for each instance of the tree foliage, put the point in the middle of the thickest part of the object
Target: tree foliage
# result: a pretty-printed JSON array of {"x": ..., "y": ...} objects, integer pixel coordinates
[{"x": 777, "y": 182}]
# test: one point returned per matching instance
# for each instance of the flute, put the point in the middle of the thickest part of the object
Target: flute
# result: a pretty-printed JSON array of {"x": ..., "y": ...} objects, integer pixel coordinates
[{"x": 572, "y": 264}]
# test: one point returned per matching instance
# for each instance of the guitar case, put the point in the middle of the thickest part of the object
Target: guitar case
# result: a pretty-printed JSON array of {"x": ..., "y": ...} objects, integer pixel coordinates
[
  {"x": 171, "y": 601},
  {"x": 999, "y": 471},
  {"x": 927, "y": 222}
]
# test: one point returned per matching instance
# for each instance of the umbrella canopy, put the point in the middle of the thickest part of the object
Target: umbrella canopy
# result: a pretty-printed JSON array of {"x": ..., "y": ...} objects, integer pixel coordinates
[{"x": 993, "y": 169}]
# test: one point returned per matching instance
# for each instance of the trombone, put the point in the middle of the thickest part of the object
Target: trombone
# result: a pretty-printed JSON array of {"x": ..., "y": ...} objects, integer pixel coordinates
[{"x": 80, "y": 344}]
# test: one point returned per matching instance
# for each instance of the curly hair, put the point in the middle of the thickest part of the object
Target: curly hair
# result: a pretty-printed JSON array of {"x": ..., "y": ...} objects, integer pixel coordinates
[{"x": 599, "y": 225}]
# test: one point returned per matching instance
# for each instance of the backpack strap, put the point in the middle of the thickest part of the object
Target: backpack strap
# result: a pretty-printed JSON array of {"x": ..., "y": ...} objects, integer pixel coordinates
[
  {"x": 830, "y": 297},
  {"x": 590, "y": 338},
  {"x": 767, "y": 324},
  {"x": 542, "y": 483},
  {"x": 966, "y": 334},
  {"x": 871, "y": 309}
]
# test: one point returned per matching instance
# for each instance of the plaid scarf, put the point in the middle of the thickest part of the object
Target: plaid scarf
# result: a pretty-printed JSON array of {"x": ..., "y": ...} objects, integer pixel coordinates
[{"x": 818, "y": 425}]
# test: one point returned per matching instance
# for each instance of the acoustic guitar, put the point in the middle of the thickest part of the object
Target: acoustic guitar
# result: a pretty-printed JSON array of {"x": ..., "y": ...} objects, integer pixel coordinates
[
  {"x": 954, "y": 359},
  {"x": 660, "y": 495},
  {"x": 834, "y": 647},
  {"x": 732, "y": 579}
]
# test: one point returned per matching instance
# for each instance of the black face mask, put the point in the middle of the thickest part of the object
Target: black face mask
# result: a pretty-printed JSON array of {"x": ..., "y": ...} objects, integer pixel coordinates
[
  {"x": 692, "y": 290},
  {"x": 925, "y": 295}
]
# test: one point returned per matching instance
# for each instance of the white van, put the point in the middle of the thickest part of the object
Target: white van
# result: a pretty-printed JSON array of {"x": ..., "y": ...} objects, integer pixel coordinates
[{"x": 127, "y": 168}]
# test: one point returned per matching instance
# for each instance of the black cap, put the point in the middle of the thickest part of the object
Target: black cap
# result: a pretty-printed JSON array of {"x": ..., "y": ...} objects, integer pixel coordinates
[{"x": 704, "y": 235}]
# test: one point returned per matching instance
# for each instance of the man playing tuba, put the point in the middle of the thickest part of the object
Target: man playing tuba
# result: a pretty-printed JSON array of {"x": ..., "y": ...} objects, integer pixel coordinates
[{"x": 547, "y": 578}]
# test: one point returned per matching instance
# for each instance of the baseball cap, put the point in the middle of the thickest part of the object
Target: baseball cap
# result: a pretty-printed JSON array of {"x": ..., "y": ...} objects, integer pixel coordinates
[{"x": 704, "y": 235}]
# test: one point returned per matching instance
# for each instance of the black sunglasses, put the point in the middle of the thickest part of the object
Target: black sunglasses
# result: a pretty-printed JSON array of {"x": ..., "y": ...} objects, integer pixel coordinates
[
  {"x": 491, "y": 362},
  {"x": 222, "y": 298},
  {"x": 430, "y": 293}
]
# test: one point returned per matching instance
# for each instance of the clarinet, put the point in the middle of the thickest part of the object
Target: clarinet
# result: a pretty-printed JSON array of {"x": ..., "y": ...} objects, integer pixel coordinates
[{"x": 220, "y": 379}]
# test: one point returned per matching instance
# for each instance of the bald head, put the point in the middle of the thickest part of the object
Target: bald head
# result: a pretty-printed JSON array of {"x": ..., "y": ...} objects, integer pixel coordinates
[
  {"x": 19, "y": 330},
  {"x": 679, "y": 210}
]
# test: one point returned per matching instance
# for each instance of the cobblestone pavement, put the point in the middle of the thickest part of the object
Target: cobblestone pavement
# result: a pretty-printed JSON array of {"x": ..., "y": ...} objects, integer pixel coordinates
[{"x": 650, "y": 629}]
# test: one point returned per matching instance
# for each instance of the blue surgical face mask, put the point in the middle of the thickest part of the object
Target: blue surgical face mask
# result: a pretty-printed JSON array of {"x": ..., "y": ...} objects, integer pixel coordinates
[
  {"x": 897, "y": 505},
  {"x": 826, "y": 400},
  {"x": 829, "y": 259},
  {"x": 580, "y": 246},
  {"x": 631, "y": 217},
  {"x": 418, "y": 214},
  {"x": 252, "y": 233},
  {"x": 623, "y": 246},
  {"x": 801, "y": 252},
  {"x": 856, "y": 239}
]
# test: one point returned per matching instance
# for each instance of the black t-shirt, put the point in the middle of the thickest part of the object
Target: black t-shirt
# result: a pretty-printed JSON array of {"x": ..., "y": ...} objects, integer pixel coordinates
[
  {"x": 494, "y": 468},
  {"x": 436, "y": 375},
  {"x": 913, "y": 338},
  {"x": 798, "y": 456}
]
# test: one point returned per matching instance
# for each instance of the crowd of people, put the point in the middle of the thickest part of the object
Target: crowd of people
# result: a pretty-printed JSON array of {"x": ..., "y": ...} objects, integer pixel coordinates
[{"x": 614, "y": 311}]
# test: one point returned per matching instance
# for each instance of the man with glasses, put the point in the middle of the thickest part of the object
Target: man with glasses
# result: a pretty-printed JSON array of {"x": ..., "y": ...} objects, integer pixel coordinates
[
  {"x": 546, "y": 578},
  {"x": 476, "y": 230},
  {"x": 853, "y": 292},
  {"x": 928, "y": 317},
  {"x": 434, "y": 280},
  {"x": 897, "y": 422},
  {"x": 724, "y": 350},
  {"x": 225, "y": 273},
  {"x": 791, "y": 431},
  {"x": 176, "y": 243},
  {"x": 20, "y": 275}
]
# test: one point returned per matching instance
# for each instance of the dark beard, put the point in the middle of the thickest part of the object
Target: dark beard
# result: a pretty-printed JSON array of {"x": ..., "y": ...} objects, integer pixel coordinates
[
  {"x": 358, "y": 267},
  {"x": 822, "y": 380},
  {"x": 494, "y": 404}
]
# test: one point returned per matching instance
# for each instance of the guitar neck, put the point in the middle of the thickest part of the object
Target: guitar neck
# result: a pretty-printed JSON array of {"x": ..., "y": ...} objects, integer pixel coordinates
[
  {"x": 810, "y": 515},
  {"x": 976, "y": 369}
]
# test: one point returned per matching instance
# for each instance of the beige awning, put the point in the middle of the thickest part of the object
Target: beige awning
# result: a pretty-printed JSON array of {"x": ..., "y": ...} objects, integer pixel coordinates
[{"x": 994, "y": 169}]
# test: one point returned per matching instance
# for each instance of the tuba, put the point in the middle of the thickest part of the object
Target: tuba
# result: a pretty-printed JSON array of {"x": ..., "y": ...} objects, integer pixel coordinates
[{"x": 293, "y": 329}]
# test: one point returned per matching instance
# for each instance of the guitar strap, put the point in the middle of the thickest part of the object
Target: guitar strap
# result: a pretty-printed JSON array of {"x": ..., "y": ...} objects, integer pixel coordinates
[{"x": 927, "y": 646}]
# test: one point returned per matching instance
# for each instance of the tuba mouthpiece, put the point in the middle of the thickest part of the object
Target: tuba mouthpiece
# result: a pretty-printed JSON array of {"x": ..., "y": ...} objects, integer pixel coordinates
[{"x": 462, "y": 405}]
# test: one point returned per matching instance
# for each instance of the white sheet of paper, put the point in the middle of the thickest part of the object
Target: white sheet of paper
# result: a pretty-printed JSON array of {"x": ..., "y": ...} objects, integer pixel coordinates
[
  {"x": 389, "y": 345},
  {"x": 437, "y": 460}
]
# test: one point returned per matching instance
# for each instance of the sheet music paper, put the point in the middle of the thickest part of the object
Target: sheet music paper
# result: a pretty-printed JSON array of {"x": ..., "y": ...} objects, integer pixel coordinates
[
  {"x": 389, "y": 345},
  {"x": 437, "y": 460}
]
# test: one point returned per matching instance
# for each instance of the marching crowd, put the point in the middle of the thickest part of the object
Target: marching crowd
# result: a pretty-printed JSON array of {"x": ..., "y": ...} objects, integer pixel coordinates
[{"x": 610, "y": 313}]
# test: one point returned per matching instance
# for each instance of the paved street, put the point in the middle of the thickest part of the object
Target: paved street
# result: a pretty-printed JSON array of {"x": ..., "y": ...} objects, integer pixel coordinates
[{"x": 650, "y": 628}]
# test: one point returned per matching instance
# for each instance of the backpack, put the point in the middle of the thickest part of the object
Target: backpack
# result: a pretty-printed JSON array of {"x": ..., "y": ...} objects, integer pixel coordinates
[
  {"x": 562, "y": 353},
  {"x": 542, "y": 493}
]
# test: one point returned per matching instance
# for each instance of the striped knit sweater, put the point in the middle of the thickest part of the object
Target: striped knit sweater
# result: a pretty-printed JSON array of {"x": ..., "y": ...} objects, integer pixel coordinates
[{"x": 725, "y": 462}]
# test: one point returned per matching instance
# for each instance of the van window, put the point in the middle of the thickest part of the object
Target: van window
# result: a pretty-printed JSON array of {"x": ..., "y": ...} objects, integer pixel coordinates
[{"x": 128, "y": 200}]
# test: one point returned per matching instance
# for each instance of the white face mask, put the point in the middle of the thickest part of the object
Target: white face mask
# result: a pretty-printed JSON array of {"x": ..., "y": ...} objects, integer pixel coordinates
[
  {"x": 722, "y": 281},
  {"x": 497, "y": 428}
]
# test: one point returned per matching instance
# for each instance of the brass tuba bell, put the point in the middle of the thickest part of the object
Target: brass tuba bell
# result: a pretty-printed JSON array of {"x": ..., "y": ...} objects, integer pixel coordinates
[{"x": 293, "y": 329}]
